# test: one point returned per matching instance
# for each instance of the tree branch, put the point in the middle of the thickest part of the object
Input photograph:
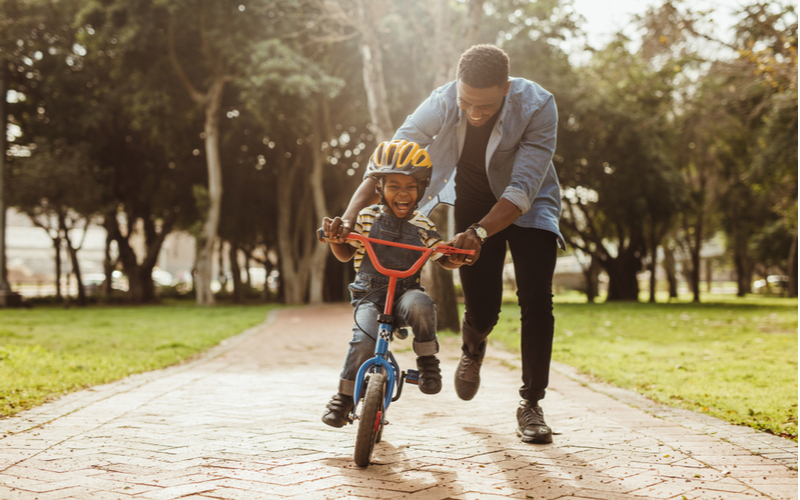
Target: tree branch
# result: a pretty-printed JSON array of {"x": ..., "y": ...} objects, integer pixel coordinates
[{"x": 196, "y": 95}]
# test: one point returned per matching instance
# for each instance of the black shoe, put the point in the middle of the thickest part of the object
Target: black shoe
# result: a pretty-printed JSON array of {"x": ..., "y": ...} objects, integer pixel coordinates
[
  {"x": 337, "y": 412},
  {"x": 430, "y": 377},
  {"x": 530, "y": 424},
  {"x": 468, "y": 376}
]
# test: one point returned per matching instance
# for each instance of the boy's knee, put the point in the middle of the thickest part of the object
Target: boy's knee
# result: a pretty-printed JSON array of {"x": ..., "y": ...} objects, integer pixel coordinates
[{"x": 419, "y": 304}]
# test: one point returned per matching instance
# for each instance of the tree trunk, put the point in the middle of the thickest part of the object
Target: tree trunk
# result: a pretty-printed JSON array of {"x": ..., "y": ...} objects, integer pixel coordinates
[
  {"x": 291, "y": 222},
  {"x": 653, "y": 264},
  {"x": 472, "y": 23},
  {"x": 141, "y": 288},
  {"x": 236, "y": 272},
  {"x": 140, "y": 276},
  {"x": 319, "y": 255},
  {"x": 444, "y": 56},
  {"x": 623, "y": 283},
  {"x": 57, "y": 248},
  {"x": 793, "y": 266},
  {"x": 108, "y": 268},
  {"x": 5, "y": 287},
  {"x": 591, "y": 275},
  {"x": 696, "y": 248},
  {"x": 76, "y": 266},
  {"x": 439, "y": 281},
  {"x": 222, "y": 276},
  {"x": 669, "y": 269},
  {"x": 744, "y": 271},
  {"x": 369, "y": 12},
  {"x": 205, "y": 255},
  {"x": 248, "y": 280}
]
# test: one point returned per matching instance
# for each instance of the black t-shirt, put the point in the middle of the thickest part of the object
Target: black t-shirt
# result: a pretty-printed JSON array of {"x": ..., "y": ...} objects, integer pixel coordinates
[{"x": 474, "y": 196}]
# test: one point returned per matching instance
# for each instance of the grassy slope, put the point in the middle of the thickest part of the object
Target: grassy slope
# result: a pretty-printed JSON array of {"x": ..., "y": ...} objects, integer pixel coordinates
[
  {"x": 48, "y": 351},
  {"x": 733, "y": 359}
]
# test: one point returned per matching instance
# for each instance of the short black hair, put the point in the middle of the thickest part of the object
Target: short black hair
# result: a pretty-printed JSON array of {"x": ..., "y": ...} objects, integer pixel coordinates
[{"x": 483, "y": 66}]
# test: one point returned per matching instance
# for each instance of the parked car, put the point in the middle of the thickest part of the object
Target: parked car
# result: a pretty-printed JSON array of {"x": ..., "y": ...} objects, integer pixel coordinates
[{"x": 773, "y": 284}]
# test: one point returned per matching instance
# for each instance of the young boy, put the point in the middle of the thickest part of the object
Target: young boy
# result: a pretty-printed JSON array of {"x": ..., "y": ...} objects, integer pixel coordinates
[{"x": 402, "y": 170}]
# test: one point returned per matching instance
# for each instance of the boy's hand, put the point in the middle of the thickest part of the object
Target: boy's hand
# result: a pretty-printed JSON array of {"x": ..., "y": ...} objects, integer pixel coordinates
[
  {"x": 336, "y": 229},
  {"x": 468, "y": 241}
]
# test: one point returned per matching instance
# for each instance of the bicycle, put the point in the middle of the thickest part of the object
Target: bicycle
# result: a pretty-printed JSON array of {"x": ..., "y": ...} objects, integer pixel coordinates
[{"x": 381, "y": 374}]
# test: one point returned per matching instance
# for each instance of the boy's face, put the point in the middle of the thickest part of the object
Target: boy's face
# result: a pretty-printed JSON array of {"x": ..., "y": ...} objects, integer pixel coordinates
[{"x": 401, "y": 193}]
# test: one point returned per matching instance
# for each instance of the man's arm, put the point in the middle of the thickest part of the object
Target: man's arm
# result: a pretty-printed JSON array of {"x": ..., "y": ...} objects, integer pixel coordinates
[
  {"x": 502, "y": 215},
  {"x": 533, "y": 158}
]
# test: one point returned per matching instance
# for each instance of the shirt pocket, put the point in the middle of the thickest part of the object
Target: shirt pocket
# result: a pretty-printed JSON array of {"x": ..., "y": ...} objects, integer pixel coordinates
[{"x": 501, "y": 168}]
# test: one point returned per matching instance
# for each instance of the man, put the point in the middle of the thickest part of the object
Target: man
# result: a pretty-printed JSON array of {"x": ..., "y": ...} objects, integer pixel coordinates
[{"x": 491, "y": 139}]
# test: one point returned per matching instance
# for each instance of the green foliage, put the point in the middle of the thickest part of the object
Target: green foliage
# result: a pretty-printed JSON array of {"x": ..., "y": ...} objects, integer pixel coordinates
[
  {"x": 735, "y": 360},
  {"x": 46, "y": 352},
  {"x": 658, "y": 142}
]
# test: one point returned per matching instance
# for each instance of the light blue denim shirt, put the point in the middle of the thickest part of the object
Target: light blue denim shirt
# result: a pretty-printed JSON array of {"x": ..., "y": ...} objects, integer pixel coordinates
[{"x": 519, "y": 155}]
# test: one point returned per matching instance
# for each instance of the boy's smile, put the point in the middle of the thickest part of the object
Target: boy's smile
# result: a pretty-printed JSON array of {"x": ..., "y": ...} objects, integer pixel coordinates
[{"x": 401, "y": 193}]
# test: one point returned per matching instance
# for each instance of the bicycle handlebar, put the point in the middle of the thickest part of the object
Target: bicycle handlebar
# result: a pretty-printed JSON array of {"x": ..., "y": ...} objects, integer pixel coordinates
[{"x": 426, "y": 252}]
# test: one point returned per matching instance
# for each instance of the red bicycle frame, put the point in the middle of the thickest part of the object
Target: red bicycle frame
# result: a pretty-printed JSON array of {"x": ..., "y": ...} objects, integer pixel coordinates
[{"x": 395, "y": 274}]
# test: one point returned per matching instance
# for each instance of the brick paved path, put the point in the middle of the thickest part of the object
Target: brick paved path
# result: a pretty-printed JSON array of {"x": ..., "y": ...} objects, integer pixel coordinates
[{"x": 243, "y": 422}]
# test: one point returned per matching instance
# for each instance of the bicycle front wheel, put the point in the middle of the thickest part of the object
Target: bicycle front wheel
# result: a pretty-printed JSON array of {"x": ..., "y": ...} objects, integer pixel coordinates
[{"x": 369, "y": 425}]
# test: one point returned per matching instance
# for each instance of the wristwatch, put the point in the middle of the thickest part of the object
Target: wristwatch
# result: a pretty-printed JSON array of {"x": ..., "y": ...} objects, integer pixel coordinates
[{"x": 480, "y": 232}]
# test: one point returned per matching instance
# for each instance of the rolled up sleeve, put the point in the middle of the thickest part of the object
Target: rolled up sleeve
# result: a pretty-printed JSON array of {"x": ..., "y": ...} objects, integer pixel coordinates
[{"x": 534, "y": 156}]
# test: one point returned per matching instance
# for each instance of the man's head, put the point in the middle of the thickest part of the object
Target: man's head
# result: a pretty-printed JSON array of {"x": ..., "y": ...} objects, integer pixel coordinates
[
  {"x": 403, "y": 171},
  {"x": 482, "y": 82}
]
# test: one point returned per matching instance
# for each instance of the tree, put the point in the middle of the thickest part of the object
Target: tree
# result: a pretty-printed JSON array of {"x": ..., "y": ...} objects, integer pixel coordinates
[
  {"x": 618, "y": 182},
  {"x": 70, "y": 196}
]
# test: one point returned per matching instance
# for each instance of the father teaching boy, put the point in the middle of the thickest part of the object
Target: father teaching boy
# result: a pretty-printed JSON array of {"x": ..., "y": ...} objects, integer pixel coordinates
[{"x": 491, "y": 140}]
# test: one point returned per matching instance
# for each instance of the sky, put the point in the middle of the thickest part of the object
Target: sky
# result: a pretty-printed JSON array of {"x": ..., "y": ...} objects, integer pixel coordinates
[{"x": 606, "y": 17}]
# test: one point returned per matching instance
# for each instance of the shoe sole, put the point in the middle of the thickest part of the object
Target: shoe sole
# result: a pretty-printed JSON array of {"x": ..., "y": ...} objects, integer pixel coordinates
[{"x": 543, "y": 440}]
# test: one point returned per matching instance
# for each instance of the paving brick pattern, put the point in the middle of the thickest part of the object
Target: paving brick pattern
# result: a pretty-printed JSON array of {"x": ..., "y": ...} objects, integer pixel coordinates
[{"x": 243, "y": 422}]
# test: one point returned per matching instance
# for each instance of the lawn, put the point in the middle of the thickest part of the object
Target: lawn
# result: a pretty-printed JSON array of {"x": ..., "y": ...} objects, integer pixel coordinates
[
  {"x": 735, "y": 359},
  {"x": 48, "y": 351}
]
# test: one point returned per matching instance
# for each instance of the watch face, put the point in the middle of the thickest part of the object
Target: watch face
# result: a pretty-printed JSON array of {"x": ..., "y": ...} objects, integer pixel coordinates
[{"x": 481, "y": 232}]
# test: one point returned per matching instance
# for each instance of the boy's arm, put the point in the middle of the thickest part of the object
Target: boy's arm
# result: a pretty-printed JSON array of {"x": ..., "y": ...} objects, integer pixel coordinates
[{"x": 342, "y": 251}]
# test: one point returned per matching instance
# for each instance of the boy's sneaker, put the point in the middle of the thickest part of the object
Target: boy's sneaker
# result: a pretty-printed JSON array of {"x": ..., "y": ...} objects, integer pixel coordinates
[
  {"x": 468, "y": 376},
  {"x": 338, "y": 410},
  {"x": 430, "y": 377},
  {"x": 530, "y": 424}
]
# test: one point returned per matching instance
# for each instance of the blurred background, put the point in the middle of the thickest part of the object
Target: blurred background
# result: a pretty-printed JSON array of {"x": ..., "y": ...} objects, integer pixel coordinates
[{"x": 190, "y": 148}]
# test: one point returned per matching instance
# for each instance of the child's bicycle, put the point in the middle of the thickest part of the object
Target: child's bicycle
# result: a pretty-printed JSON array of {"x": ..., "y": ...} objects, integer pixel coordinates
[{"x": 379, "y": 376}]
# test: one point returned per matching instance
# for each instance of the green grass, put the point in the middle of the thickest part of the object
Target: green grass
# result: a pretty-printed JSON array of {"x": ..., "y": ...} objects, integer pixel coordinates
[
  {"x": 735, "y": 359},
  {"x": 48, "y": 351}
]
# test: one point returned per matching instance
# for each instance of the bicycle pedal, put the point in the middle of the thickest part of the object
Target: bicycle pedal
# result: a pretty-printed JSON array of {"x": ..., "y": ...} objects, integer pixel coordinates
[
  {"x": 401, "y": 333},
  {"x": 412, "y": 377}
]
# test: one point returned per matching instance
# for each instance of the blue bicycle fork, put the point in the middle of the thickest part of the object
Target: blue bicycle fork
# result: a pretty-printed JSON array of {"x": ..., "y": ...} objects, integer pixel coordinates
[{"x": 383, "y": 359}]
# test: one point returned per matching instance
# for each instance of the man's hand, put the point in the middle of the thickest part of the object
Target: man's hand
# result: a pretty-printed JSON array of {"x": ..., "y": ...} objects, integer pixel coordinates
[
  {"x": 467, "y": 240},
  {"x": 336, "y": 229}
]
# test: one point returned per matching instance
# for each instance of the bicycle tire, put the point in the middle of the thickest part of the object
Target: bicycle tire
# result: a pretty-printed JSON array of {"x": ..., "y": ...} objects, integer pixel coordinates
[{"x": 369, "y": 423}]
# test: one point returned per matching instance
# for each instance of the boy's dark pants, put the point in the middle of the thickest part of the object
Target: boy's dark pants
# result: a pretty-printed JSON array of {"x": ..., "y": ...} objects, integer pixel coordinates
[{"x": 534, "y": 254}]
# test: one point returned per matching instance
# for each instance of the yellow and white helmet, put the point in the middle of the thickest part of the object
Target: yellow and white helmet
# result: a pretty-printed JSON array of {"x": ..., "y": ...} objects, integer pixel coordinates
[{"x": 400, "y": 157}]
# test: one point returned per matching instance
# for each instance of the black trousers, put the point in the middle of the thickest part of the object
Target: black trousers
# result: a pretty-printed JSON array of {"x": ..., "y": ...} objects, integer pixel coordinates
[{"x": 534, "y": 254}]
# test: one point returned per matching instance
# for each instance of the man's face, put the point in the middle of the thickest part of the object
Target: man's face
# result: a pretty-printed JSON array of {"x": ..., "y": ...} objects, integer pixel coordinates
[
  {"x": 401, "y": 193},
  {"x": 479, "y": 105}
]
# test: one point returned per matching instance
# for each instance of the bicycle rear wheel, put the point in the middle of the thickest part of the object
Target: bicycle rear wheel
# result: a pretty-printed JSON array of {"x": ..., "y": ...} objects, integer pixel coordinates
[{"x": 369, "y": 424}]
